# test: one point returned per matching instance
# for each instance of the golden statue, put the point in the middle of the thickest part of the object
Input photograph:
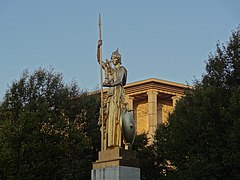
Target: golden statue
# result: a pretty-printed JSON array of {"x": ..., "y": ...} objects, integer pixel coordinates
[{"x": 117, "y": 124}]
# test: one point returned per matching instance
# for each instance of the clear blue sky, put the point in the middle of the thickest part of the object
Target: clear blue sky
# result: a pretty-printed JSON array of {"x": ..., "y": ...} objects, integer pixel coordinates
[{"x": 168, "y": 40}]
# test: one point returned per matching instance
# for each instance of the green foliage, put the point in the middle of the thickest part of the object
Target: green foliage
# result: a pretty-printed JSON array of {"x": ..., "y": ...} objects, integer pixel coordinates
[
  {"x": 150, "y": 169},
  {"x": 202, "y": 137},
  {"x": 45, "y": 129}
]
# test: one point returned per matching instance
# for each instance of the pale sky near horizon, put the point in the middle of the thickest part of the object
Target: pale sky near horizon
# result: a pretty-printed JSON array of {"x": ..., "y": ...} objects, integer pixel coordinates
[{"x": 169, "y": 40}]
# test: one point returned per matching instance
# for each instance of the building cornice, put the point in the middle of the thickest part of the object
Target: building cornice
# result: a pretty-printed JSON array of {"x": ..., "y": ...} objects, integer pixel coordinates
[
  {"x": 156, "y": 80},
  {"x": 158, "y": 85}
]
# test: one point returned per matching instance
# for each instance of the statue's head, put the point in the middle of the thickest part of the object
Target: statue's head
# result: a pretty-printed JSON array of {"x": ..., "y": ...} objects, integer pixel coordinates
[{"x": 116, "y": 56}]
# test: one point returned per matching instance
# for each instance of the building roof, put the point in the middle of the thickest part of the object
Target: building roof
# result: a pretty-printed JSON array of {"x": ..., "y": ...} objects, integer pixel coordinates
[
  {"x": 156, "y": 80},
  {"x": 163, "y": 87}
]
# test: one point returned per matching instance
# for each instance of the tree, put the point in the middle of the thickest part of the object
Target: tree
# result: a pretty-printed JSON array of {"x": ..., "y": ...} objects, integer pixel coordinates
[
  {"x": 44, "y": 129},
  {"x": 202, "y": 137},
  {"x": 145, "y": 155}
]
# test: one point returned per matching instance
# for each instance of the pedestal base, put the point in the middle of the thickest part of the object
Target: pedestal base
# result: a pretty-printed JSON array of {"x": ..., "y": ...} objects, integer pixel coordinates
[
  {"x": 116, "y": 157},
  {"x": 116, "y": 164},
  {"x": 116, "y": 173}
]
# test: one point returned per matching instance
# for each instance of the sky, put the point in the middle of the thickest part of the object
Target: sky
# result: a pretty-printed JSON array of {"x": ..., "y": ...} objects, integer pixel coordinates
[{"x": 168, "y": 40}]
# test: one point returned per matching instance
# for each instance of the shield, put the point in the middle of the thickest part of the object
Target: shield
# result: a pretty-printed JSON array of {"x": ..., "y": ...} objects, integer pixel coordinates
[{"x": 128, "y": 126}]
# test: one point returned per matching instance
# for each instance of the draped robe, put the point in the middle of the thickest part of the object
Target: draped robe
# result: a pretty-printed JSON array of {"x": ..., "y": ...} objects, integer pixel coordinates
[{"x": 115, "y": 100}]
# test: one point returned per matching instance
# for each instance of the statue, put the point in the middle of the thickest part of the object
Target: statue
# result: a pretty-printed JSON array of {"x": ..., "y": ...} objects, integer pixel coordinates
[{"x": 116, "y": 120}]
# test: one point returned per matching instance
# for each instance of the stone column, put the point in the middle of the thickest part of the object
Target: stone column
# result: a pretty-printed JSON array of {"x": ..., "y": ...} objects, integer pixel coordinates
[
  {"x": 175, "y": 99},
  {"x": 152, "y": 112},
  {"x": 129, "y": 100}
]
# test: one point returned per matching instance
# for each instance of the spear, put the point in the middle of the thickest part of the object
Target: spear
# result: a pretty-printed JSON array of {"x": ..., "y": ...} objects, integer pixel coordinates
[{"x": 101, "y": 80}]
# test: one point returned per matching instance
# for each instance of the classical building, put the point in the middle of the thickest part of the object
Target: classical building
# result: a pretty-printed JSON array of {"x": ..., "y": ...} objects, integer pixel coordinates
[{"x": 152, "y": 100}]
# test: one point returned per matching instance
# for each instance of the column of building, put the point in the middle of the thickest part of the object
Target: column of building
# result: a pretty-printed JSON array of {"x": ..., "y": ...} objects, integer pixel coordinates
[
  {"x": 175, "y": 99},
  {"x": 152, "y": 112},
  {"x": 129, "y": 100}
]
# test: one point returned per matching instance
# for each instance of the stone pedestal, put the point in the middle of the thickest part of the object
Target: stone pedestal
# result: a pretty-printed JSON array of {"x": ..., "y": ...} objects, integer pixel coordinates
[
  {"x": 116, "y": 164},
  {"x": 115, "y": 173}
]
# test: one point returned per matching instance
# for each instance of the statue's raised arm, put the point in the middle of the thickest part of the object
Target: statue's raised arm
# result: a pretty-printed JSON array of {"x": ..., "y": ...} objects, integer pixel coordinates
[{"x": 99, "y": 46}]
